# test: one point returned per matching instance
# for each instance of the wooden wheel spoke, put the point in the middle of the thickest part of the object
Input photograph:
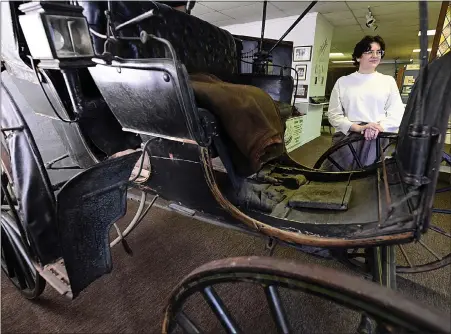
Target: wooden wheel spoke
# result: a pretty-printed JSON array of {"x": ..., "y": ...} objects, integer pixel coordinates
[
  {"x": 220, "y": 310},
  {"x": 335, "y": 163},
  {"x": 439, "y": 230},
  {"x": 404, "y": 254},
  {"x": 186, "y": 324},
  {"x": 355, "y": 155},
  {"x": 429, "y": 250},
  {"x": 277, "y": 309}
]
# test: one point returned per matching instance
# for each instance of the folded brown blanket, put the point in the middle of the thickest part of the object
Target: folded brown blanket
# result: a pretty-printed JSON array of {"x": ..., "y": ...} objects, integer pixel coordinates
[{"x": 249, "y": 116}]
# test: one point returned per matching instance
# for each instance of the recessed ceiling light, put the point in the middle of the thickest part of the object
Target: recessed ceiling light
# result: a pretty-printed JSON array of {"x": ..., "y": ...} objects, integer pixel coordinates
[
  {"x": 430, "y": 33},
  {"x": 418, "y": 50},
  {"x": 336, "y": 54}
]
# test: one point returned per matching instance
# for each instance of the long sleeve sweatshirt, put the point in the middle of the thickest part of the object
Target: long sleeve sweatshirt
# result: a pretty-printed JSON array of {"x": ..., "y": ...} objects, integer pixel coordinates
[{"x": 369, "y": 98}]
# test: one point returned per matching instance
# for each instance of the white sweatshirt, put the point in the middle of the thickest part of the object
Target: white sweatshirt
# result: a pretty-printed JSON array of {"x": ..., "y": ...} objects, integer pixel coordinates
[{"x": 358, "y": 98}]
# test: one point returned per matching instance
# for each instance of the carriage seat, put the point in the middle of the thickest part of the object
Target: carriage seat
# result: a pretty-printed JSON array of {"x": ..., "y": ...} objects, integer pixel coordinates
[
  {"x": 214, "y": 54},
  {"x": 199, "y": 45}
]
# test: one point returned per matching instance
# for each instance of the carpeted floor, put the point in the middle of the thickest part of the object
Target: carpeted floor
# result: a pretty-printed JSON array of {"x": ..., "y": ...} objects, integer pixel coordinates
[{"x": 168, "y": 246}]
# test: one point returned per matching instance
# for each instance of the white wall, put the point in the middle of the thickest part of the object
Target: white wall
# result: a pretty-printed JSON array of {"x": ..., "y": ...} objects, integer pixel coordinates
[{"x": 320, "y": 59}]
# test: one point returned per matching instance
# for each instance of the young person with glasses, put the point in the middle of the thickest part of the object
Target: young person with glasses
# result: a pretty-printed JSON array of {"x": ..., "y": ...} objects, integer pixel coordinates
[{"x": 366, "y": 101}]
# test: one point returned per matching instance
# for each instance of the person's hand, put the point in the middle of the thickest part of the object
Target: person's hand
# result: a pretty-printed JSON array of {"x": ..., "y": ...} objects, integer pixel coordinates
[
  {"x": 361, "y": 128},
  {"x": 375, "y": 126},
  {"x": 370, "y": 133}
]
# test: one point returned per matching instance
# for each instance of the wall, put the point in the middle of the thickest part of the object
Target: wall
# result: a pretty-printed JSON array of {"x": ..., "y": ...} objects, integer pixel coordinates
[{"x": 320, "y": 60}]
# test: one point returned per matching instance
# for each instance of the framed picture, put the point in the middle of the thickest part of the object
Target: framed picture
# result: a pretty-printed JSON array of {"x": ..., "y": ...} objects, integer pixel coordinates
[
  {"x": 301, "y": 69},
  {"x": 302, "y": 53},
  {"x": 301, "y": 91}
]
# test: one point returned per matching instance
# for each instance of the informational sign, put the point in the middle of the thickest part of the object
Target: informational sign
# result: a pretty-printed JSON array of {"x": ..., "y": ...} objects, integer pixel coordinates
[{"x": 293, "y": 133}]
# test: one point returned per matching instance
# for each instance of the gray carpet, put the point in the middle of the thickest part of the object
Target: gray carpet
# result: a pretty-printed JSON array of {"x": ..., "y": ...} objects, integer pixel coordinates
[{"x": 167, "y": 247}]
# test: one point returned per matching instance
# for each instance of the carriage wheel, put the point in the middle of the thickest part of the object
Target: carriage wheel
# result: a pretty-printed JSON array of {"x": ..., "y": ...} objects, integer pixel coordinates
[
  {"x": 419, "y": 257},
  {"x": 15, "y": 259},
  {"x": 388, "y": 309},
  {"x": 414, "y": 258},
  {"x": 349, "y": 146}
]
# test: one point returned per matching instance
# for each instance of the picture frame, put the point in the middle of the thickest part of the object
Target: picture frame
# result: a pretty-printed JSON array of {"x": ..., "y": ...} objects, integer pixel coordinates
[
  {"x": 302, "y": 53},
  {"x": 301, "y": 92},
  {"x": 301, "y": 70}
]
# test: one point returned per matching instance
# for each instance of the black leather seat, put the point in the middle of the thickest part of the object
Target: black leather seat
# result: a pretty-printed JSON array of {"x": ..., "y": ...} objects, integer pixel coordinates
[{"x": 199, "y": 45}]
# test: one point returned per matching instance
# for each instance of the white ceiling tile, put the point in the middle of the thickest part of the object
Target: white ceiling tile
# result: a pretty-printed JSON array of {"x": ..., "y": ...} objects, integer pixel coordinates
[
  {"x": 295, "y": 7},
  {"x": 254, "y": 12},
  {"x": 226, "y": 23},
  {"x": 397, "y": 8},
  {"x": 222, "y": 5},
  {"x": 366, "y": 4},
  {"x": 324, "y": 7},
  {"x": 200, "y": 9},
  {"x": 214, "y": 17},
  {"x": 347, "y": 14},
  {"x": 343, "y": 23}
]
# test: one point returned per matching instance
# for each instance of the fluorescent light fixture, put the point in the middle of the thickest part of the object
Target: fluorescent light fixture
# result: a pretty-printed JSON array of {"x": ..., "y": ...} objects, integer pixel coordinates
[
  {"x": 336, "y": 54},
  {"x": 430, "y": 33},
  {"x": 418, "y": 50},
  {"x": 342, "y": 61}
]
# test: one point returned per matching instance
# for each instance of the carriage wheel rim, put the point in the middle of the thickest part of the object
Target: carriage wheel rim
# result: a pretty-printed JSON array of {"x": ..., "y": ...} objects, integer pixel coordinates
[
  {"x": 348, "y": 143},
  {"x": 18, "y": 270},
  {"x": 353, "y": 292}
]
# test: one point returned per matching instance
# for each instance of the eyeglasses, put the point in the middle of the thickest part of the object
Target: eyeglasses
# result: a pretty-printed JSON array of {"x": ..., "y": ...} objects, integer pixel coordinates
[{"x": 379, "y": 53}]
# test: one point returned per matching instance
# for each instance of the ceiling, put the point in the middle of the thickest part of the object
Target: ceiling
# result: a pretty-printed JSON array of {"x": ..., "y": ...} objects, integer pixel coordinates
[{"x": 398, "y": 21}]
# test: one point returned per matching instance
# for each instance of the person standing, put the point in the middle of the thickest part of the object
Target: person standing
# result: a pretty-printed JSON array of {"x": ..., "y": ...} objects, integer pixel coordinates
[{"x": 366, "y": 101}]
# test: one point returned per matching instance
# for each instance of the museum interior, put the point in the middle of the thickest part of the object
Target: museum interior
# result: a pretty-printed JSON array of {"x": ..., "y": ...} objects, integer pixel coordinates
[{"x": 226, "y": 166}]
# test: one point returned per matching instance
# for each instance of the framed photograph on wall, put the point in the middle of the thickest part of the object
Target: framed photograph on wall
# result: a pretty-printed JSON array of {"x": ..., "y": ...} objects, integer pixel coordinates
[
  {"x": 301, "y": 70},
  {"x": 301, "y": 92},
  {"x": 302, "y": 53}
]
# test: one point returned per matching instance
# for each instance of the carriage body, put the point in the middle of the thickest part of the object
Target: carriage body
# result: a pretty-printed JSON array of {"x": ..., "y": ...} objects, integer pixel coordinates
[{"x": 142, "y": 99}]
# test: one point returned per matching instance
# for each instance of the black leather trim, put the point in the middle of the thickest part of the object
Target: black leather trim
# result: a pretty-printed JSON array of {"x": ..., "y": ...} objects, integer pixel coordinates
[
  {"x": 88, "y": 205},
  {"x": 31, "y": 183}
]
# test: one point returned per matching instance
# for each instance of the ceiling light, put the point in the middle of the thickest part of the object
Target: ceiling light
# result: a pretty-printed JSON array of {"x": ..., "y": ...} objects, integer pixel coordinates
[
  {"x": 430, "y": 33},
  {"x": 419, "y": 50},
  {"x": 336, "y": 54}
]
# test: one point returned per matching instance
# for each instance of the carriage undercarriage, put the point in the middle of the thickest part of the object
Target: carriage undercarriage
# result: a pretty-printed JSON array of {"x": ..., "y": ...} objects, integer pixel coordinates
[{"x": 376, "y": 208}]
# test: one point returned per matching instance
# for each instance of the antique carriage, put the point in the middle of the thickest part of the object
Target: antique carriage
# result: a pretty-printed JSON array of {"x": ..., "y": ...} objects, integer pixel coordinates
[{"x": 121, "y": 101}]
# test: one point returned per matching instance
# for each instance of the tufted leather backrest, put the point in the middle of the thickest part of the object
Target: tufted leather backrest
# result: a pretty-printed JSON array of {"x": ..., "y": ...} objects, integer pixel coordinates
[{"x": 199, "y": 45}]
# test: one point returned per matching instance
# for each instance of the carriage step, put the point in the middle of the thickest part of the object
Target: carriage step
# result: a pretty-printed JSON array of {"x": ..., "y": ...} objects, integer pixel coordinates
[{"x": 56, "y": 275}]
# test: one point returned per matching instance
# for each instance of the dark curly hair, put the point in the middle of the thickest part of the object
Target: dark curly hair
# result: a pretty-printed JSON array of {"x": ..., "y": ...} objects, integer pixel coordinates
[{"x": 365, "y": 45}]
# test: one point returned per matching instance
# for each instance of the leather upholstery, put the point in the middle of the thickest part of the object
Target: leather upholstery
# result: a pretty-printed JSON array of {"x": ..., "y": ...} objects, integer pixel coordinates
[{"x": 199, "y": 45}]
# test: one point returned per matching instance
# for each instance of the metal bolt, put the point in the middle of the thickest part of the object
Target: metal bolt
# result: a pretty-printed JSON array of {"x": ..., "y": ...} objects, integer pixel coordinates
[{"x": 166, "y": 77}]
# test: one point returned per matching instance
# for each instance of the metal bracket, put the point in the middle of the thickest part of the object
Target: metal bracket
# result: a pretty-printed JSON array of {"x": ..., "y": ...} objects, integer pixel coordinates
[{"x": 56, "y": 275}]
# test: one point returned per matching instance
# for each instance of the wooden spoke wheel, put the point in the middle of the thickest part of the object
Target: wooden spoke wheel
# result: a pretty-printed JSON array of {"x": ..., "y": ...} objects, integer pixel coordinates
[
  {"x": 389, "y": 311},
  {"x": 431, "y": 253},
  {"x": 355, "y": 154}
]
